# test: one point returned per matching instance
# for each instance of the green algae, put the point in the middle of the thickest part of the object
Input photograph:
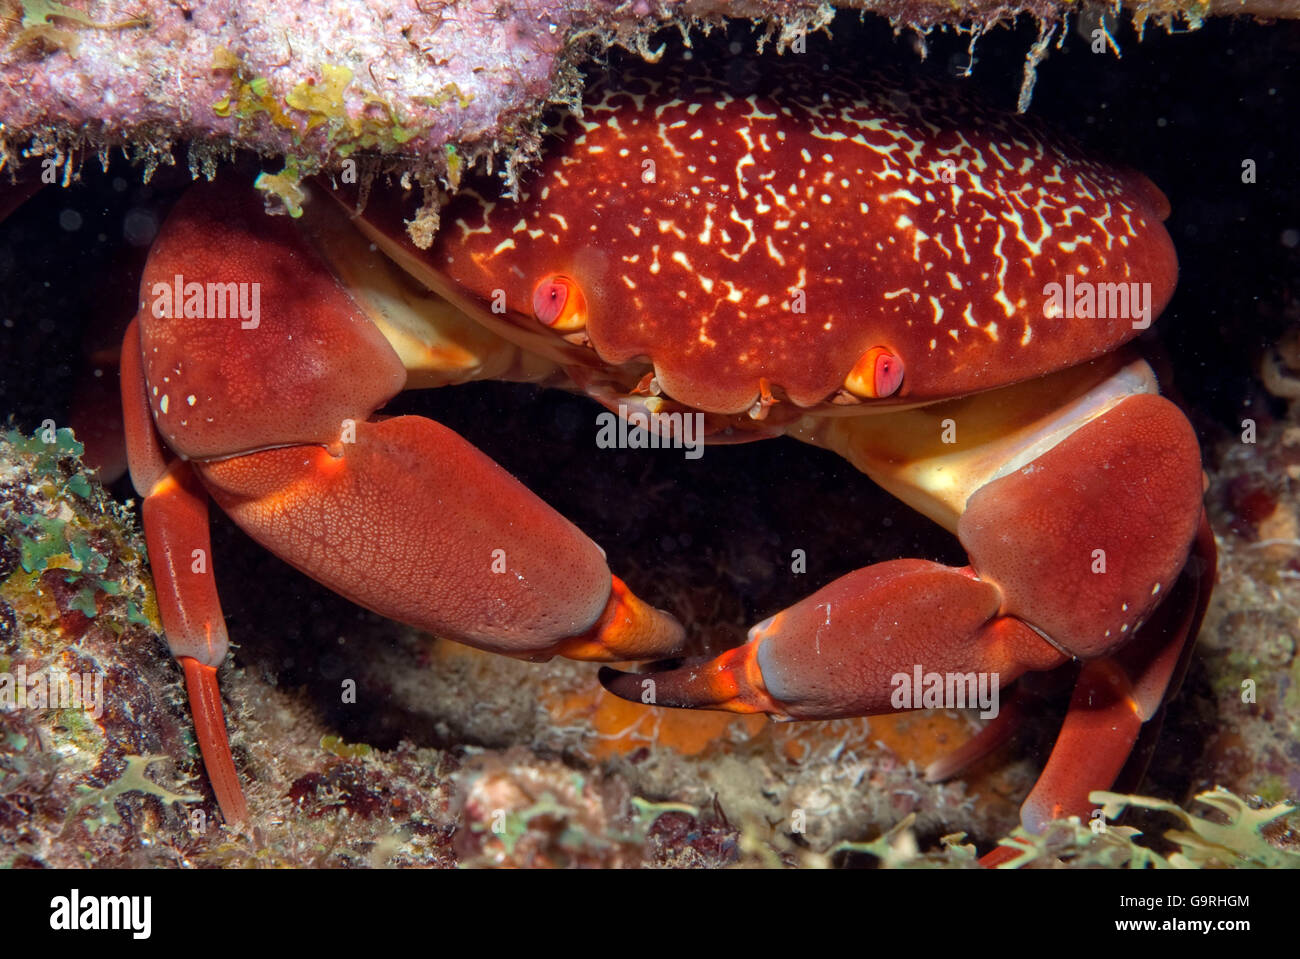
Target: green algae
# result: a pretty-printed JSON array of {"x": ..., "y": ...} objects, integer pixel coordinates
[
  {"x": 69, "y": 536},
  {"x": 285, "y": 187},
  {"x": 1237, "y": 842},
  {"x": 248, "y": 95},
  {"x": 318, "y": 106},
  {"x": 100, "y": 801},
  {"x": 38, "y": 29},
  {"x": 335, "y": 746},
  {"x": 322, "y": 105}
]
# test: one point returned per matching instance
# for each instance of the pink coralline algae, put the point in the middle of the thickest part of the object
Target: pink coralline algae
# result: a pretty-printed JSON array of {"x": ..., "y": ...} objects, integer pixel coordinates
[
  {"x": 319, "y": 82},
  {"x": 428, "y": 84}
]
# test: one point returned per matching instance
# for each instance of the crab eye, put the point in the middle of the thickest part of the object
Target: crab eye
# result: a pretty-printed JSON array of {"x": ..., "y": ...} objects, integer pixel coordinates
[
  {"x": 877, "y": 374},
  {"x": 559, "y": 302}
]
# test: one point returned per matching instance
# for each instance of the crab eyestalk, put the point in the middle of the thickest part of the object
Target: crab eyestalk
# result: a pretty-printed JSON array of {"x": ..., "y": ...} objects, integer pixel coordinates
[
  {"x": 877, "y": 374},
  {"x": 558, "y": 302}
]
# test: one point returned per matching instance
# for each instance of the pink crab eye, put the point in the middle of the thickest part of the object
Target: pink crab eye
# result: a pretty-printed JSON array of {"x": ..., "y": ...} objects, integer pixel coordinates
[
  {"x": 559, "y": 302},
  {"x": 877, "y": 374}
]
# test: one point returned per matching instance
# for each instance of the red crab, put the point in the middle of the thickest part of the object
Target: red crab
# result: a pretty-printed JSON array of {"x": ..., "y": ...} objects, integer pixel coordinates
[{"x": 940, "y": 293}]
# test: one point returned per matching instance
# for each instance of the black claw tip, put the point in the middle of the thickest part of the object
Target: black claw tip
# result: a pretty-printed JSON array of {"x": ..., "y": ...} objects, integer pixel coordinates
[{"x": 621, "y": 684}]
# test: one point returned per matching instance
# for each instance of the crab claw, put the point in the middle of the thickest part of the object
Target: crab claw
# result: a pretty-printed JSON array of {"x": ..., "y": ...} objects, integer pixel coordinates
[
  {"x": 1077, "y": 499},
  {"x": 272, "y": 413},
  {"x": 454, "y": 546},
  {"x": 731, "y": 682},
  {"x": 628, "y": 629},
  {"x": 838, "y": 652}
]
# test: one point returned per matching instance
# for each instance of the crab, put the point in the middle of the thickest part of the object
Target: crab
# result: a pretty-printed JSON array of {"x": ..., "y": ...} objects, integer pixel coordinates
[{"x": 938, "y": 292}]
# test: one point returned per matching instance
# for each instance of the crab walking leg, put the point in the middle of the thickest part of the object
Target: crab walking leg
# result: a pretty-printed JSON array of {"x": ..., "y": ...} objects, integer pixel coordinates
[
  {"x": 413, "y": 522},
  {"x": 176, "y": 533},
  {"x": 1077, "y": 518},
  {"x": 1115, "y": 695},
  {"x": 1117, "y": 704},
  {"x": 993, "y": 734}
]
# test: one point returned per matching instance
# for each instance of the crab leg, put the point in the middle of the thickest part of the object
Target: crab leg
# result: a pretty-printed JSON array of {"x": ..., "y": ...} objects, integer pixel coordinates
[
  {"x": 176, "y": 533},
  {"x": 993, "y": 734},
  {"x": 1115, "y": 695},
  {"x": 269, "y": 400},
  {"x": 1076, "y": 520}
]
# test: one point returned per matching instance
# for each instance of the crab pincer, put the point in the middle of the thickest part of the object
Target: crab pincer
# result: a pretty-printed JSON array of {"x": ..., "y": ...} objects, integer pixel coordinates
[{"x": 1078, "y": 527}]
